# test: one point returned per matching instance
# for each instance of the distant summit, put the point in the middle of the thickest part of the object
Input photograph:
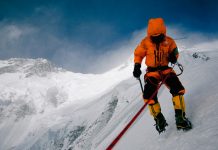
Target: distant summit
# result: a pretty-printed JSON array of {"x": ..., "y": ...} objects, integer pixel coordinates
[{"x": 30, "y": 67}]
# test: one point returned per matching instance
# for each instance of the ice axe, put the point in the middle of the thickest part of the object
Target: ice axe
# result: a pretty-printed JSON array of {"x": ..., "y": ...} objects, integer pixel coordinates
[{"x": 140, "y": 82}]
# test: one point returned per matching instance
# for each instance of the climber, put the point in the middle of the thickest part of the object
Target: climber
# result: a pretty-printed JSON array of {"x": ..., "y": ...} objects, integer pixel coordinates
[{"x": 160, "y": 50}]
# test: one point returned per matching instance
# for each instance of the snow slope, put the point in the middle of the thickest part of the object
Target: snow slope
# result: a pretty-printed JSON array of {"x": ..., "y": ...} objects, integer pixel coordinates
[
  {"x": 200, "y": 80},
  {"x": 45, "y": 107}
]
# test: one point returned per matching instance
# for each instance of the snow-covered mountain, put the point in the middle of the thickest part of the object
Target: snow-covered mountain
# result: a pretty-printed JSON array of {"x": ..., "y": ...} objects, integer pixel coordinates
[{"x": 45, "y": 107}]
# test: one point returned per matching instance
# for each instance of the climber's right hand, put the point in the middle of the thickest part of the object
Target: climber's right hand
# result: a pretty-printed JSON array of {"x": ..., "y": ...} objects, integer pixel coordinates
[{"x": 137, "y": 71}]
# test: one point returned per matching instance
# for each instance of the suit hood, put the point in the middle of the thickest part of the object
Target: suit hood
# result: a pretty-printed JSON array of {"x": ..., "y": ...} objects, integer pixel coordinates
[{"x": 156, "y": 27}]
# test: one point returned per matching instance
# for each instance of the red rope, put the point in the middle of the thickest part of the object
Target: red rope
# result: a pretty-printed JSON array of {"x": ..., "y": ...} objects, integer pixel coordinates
[
  {"x": 126, "y": 128},
  {"x": 115, "y": 141}
]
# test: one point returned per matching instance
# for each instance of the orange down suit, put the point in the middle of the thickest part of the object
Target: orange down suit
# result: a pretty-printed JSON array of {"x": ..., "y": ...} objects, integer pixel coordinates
[
  {"x": 157, "y": 60},
  {"x": 155, "y": 57}
]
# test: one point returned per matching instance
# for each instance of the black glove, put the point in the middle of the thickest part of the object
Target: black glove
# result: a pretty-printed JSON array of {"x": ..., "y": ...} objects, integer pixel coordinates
[
  {"x": 137, "y": 71},
  {"x": 172, "y": 58}
]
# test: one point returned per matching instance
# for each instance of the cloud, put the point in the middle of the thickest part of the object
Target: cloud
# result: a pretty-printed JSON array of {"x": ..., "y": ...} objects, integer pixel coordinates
[
  {"x": 92, "y": 47},
  {"x": 14, "y": 32},
  {"x": 12, "y": 39},
  {"x": 117, "y": 54},
  {"x": 74, "y": 57},
  {"x": 188, "y": 40},
  {"x": 30, "y": 41},
  {"x": 83, "y": 58}
]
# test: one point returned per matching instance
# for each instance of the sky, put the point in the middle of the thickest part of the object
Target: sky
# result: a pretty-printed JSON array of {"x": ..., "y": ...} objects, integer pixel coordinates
[{"x": 92, "y": 36}]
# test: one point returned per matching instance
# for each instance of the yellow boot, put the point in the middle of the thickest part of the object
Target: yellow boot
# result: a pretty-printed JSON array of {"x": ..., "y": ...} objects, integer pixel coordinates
[
  {"x": 181, "y": 121},
  {"x": 179, "y": 103},
  {"x": 155, "y": 111}
]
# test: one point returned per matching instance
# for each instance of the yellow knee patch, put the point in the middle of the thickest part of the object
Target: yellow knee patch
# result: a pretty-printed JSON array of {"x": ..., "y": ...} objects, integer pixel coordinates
[
  {"x": 179, "y": 103},
  {"x": 154, "y": 109}
]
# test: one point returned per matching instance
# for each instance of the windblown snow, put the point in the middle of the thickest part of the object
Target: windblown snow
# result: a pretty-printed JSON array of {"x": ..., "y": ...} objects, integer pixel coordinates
[{"x": 46, "y": 107}]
